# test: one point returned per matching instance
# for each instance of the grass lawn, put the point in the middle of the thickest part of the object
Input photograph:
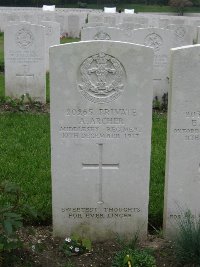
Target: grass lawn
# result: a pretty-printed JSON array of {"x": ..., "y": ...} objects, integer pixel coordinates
[
  {"x": 25, "y": 156},
  {"x": 25, "y": 159}
]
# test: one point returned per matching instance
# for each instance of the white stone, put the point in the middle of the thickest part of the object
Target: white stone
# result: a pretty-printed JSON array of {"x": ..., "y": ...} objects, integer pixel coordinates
[
  {"x": 161, "y": 40},
  {"x": 182, "y": 182},
  {"x": 24, "y": 48},
  {"x": 95, "y": 24},
  {"x": 52, "y": 37},
  {"x": 109, "y": 9},
  {"x": 95, "y": 18},
  {"x": 104, "y": 33},
  {"x": 110, "y": 19},
  {"x": 74, "y": 25},
  {"x": 183, "y": 34},
  {"x": 101, "y": 109},
  {"x": 48, "y": 8},
  {"x": 129, "y": 11}
]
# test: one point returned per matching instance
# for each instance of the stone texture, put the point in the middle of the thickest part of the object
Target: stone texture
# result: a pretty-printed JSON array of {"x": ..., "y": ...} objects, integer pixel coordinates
[
  {"x": 52, "y": 37},
  {"x": 183, "y": 34},
  {"x": 101, "y": 109},
  {"x": 182, "y": 183},
  {"x": 104, "y": 33},
  {"x": 161, "y": 40},
  {"x": 24, "y": 46}
]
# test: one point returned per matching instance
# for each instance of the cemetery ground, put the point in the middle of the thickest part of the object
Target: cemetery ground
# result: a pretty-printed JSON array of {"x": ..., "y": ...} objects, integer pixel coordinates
[{"x": 25, "y": 161}]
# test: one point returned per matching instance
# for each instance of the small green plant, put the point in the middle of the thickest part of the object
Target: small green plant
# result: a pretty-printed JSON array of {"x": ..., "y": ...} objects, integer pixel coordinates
[
  {"x": 10, "y": 218},
  {"x": 24, "y": 103},
  {"x": 156, "y": 103},
  {"x": 134, "y": 258},
  {"x": 187, "y": 241},
  {"x": 128, "y": 244},
  {"x": 75, "y": 245},
  {"x": 128, "y": 261},
  {"x": 161, "y": 105}
]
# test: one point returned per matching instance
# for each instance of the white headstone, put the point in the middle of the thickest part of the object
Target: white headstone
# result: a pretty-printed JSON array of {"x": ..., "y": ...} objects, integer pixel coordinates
[
  {"x": 129, "y": 11},
  {"x": 103, "y": 33},
  {"x": 24, "y": 46},
  {"x": 74, "y": 26},
  {"x": 161, "y": 40},
  {"x": 109, "y": 9},
  {"x": 183, "y": 34},
  {"x": 182, "y": 183},
  {"x": 48, "y": 8},
  {"x": 52, "y": 37},
  {"x": 101, "y": 108}
]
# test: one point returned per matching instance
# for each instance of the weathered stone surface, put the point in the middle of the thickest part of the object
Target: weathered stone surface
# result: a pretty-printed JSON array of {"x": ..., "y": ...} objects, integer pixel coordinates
[
  {"x": 105, "y": 33},
  {"x": 182, "y": 183},
  {"x": 101, "y": 105},
  {"x": 183, "y": 34},
  {"x": 24, "y": 46},
  {"x": 52, "y": 37},
  {"x": 161, "y": 40}
]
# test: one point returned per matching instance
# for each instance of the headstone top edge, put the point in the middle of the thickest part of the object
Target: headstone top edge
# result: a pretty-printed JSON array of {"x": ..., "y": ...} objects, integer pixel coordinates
[
  {"x": 100, "y": 41},
  {"x": 185, "y": 47}
]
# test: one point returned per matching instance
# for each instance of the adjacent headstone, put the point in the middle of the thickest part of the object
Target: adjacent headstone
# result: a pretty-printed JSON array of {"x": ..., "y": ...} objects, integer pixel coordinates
[
  {"x": 95, "y": 18},
  {"x": 183, "y": 34},
  {"x": 182, "y": 183},
  {"x": 48, "y": 8},
  {"x": 52, "y": 37},
  {"x": 74, "y": 26},
  {"x": 198, "y": 35},
  {"x": 101, "y": 102},
  {"x": 95, "y": 24},
  {"x": 129, "y": 11},
  {"x": 109, "y": 9},
  {"x": 103, "y": 33},
  {"x": 161, "y": 40},
  {"x": 24, "y": 46},
  {"x": 110, "y": 19}
]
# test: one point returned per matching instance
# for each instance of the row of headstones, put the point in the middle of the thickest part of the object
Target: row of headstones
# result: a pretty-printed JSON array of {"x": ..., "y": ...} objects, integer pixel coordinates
[
  {"x": 70, "y": 23},
  {"x": 38, "y": 9},
  {"x": 130, "y": 22},
  {"x": 23, "y": 65},
  {"x": 161, "y": 40},
  {"x": 101, "y": 117},
  {"x": 26, "y": 57}
]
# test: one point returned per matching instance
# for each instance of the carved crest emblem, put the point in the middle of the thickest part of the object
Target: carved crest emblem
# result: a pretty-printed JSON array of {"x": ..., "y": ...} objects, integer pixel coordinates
[
  {"x": 180, "y": 32},
  {"x": 101, "y": 78},
  {"x": 24, "y": 38},
  {"x": 153, "y": 40},
  {"x": 102, "y": 36}
]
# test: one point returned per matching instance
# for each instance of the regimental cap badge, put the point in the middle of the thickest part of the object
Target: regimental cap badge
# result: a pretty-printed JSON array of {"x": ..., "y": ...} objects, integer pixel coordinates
[
  {"x": 24, "y": 38},
  {"x": 101, "y": 78},
  {"x": 102, "y": 36},
  {"x": 153, "y": 40}
]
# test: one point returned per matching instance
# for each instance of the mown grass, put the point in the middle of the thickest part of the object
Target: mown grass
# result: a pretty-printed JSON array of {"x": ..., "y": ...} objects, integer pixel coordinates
[
  {"x": 159, "y": 130},
  {"x": 25, "y": 157}
]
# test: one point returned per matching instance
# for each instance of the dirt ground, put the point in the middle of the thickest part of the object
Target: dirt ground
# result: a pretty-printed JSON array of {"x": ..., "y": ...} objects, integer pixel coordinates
[{"x": 40, "y": 249}]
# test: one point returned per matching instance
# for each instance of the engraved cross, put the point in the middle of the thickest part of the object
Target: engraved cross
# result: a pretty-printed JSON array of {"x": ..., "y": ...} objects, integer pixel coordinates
[
  {"x": 25, "y": 75},
  {"x": 101, "y": 166}
]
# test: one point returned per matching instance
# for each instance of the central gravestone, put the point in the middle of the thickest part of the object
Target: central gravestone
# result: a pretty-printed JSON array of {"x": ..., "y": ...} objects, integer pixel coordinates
[{"x": 101, "y": 136}]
